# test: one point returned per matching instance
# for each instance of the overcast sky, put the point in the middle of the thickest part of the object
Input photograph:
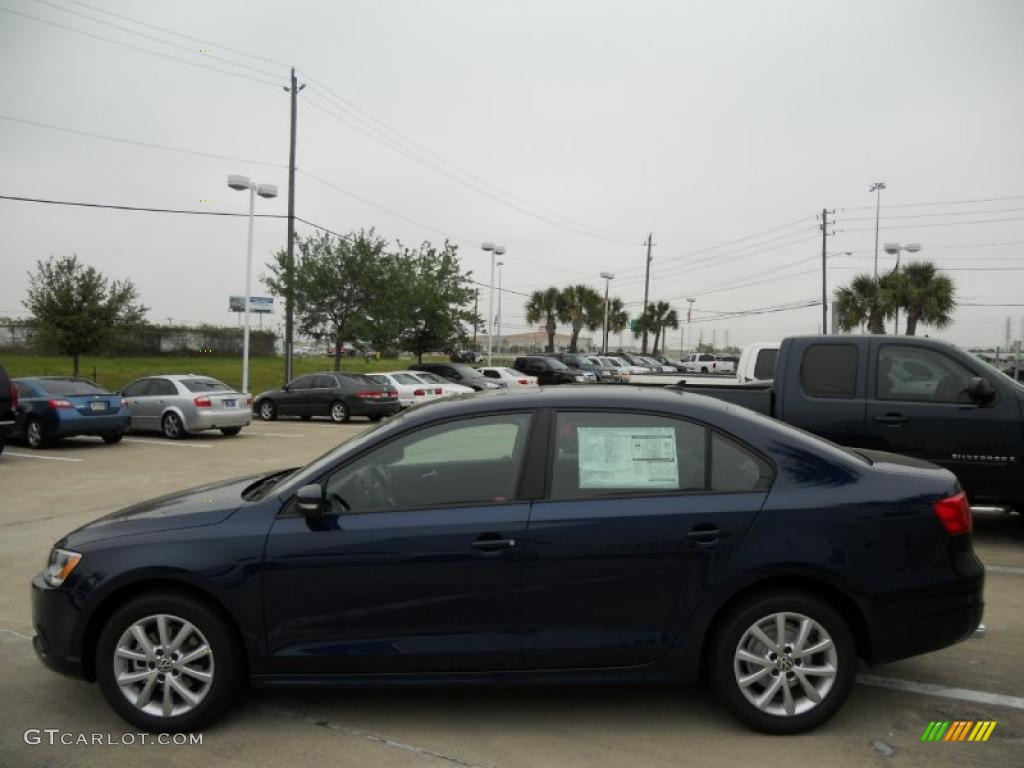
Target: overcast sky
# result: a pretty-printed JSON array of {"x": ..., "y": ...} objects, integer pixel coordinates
[{"x": 703, "y": 123}]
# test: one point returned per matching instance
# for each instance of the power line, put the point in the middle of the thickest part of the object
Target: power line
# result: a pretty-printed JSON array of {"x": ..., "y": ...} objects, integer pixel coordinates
[
  {"x": 942, "y": 202},
  {"x": 147, "y": 145},
  {"x": 139, "y": 48},
  {"x": 136, "y": 208},
  {"x": 937, "y": 224},
  {"x": 936, "y": 215},
  {"x": 154, "y": 38}
]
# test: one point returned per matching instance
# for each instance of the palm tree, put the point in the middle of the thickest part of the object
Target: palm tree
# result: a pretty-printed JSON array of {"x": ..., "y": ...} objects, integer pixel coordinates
[
  {"x": 545, "y": 305},
  {"x": 660, "y": 316},
  {"x": 582, "y": 307},
  {"x": 925, "y": 294},
  {"x": 862, "y": 301}
]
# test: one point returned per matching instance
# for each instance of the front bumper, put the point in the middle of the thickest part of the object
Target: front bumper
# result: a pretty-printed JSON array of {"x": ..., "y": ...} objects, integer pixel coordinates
[
  {"x": 236, "y": 417},
  {"x": 55, "y": 620}
]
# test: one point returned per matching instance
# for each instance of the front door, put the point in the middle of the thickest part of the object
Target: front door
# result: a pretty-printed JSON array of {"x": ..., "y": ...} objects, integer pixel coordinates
[
  {"x": 293, "y": 400},
  {"x": 919, "y": 407},
  {"x": 416, "y": 566},
  {"x": 639, "y": 522}
]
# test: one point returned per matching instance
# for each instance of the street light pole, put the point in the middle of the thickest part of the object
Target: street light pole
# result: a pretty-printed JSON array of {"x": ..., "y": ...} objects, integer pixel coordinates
[
  {"x": 500, "y": 265},
  {"x": 240, "y": 183},
  {"x": 877, "y": 188},
  {"x": 608, "y": 277},
  {"x": 689, "y": 326},
  {"x": 494, "y": 250}
]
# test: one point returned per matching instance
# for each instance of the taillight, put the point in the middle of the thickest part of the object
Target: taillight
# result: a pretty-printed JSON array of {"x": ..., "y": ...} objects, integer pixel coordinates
[
  {"x": 419, "y": 393},
  {"x": 523, "y": 381},
  {"x": 392, "y": 393},
  {"x": 955, "y": 514},
  {"x": 438, "y": 391},
  {"x": 60, "y": 404},
  {"x": 14, "y": 398},
  {"x": 248, "y": 400},
  {"x": 203, "y": 402},
  {"x": 368, "y": 395}
]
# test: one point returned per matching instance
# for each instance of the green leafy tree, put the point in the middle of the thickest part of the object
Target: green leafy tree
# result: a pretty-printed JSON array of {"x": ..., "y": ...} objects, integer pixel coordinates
[
  {"x": 581, "y": 307},
  {"x": 77, "y": 309},
  {"x": 618, "y": 317},
  {"x": 335, "y": 286},
  {"x": 926, "y": 295},
  {"x": 437, "y": 300},
  {"x": 862, "y": 302},
  {"x": 545, "y": 305}
]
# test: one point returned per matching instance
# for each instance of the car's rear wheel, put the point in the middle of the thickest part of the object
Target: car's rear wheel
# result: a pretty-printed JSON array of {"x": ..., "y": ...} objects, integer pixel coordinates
[
  {"x": 704, "y": 369},
  {"x": 783, "y": 663},
  {"x": 267, "y": 410},
  {"x": 113, "y": 437},
  {"x": 34, "y": 433},
  {"x": 168, "y": 663},
  {"x": 230, "y": 431},
  {"x": 172, "y": 427},
  {"x": 339, "y": 412},
  {"x": 376, "y": 417}
]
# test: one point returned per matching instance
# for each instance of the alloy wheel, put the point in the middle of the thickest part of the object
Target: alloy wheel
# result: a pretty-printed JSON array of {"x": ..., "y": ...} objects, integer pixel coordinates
[
  {"x": 34, "y": 434},
  {"x": 172, "y": 426},
  {"x": 785, "y": 664},
  {"x": 163, "y": 665},
  {"x": 339, "y": 412}
]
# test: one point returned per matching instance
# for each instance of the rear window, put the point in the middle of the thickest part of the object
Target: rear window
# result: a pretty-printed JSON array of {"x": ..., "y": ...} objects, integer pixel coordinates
[
  {"x": 70, "y": 387},
  {"x": 764, "y": 366},
  {"x": 830, "y": 370},
  {"x": 205, "y": 385}
]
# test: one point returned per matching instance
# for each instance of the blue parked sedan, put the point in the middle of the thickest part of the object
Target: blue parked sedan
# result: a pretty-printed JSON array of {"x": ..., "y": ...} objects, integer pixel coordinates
[
  {"x": 52, "y": 407},
  {"x": 560, "y": 535}
]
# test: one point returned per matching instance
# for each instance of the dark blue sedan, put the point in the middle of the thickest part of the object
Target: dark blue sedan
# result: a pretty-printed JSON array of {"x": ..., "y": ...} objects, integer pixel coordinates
[
  {"x": 52, "y": 407},
  {"x": 555, "y": 536}
]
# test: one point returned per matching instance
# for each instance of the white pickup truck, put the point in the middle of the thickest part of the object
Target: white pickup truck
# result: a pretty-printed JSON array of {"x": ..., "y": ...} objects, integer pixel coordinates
[{"x": 757, "y": 363}]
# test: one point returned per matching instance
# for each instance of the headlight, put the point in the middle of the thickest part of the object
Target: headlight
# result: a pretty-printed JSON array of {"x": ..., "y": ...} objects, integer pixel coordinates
[
  {"x": 62, "y": 563},
  {"x": 580, "y": 378}
]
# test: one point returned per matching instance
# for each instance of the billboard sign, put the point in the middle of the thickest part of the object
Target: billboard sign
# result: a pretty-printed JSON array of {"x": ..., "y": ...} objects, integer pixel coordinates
[{"x": 263, "y": 304}]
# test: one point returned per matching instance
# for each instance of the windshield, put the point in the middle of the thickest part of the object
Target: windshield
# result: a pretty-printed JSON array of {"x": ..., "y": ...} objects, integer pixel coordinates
[
  {"x": 70, "y": 387},
  {"x": 205, "y": 385}
]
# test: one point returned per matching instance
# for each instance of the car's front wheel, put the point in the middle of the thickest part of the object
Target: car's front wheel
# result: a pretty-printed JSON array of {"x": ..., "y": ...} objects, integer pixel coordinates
[
  {"x": 267, "y": 410},
  {"x": 783, "y": 663},
  {"x": 168, "y": 663}
]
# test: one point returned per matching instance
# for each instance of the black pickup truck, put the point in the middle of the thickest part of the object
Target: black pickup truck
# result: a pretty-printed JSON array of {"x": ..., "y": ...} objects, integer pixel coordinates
[{"x": 916, "y": 396}]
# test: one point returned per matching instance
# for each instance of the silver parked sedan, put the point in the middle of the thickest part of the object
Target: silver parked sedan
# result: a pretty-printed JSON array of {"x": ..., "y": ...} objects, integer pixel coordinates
[{"x": 177, "y": 404}]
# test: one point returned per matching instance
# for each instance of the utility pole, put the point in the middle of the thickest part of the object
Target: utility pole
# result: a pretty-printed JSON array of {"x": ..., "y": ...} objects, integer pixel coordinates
[
  {"x": 647, "y": 284},
  {"x": 877, "y": 188},
  {"x": 289, "y": 299},
  {"x": 824, "y": 269}
]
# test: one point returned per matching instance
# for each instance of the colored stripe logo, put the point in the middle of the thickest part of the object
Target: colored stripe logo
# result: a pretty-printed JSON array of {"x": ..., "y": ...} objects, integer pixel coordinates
[{"x": 958, "y": 730}]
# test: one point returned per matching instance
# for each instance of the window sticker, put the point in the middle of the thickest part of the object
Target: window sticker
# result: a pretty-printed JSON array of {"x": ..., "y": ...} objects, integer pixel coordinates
[{"x": 628, "y": 457}]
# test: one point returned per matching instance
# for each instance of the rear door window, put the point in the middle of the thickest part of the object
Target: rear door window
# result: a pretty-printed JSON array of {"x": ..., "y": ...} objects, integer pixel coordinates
[
  {"x": 830, "y": 371},
  {"x": 735, "y": 468},
  {"x": 602, "y": 453},
  {"x": 764, "y": 366}
]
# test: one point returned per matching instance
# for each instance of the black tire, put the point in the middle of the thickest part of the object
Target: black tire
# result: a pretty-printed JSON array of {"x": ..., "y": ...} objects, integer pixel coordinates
[
  {"x": 113, "y": 437},
  {"x": 225, "y": 662},
  {"x": 723, "y": 666},
  {"x": 267, "y": 410},
  {"x": 230, "y": 431},
  {"x": 1, "y": 445},
  {"x": 172, "y": 426},
  {"x": 34, "y": 433},
  {"x": 339, "y": 412},
  {"x": 376, "y": 417},
  {"x": 704, "y": 369}
]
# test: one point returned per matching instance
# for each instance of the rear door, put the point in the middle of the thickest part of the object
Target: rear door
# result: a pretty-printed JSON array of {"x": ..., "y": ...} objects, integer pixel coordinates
[
  {"x": 323, "y": 393},
  {"x": 824, "y": 389},
  {"x": 919, "y": 407},
  {"x": 637, "y": 524}
]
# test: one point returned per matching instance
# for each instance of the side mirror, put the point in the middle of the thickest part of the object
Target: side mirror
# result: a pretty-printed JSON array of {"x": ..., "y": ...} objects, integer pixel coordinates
[
  {"x": 981, "y": 391},
  {"x": 286, "y": 388},
  {"x": 310, "y": 502}
]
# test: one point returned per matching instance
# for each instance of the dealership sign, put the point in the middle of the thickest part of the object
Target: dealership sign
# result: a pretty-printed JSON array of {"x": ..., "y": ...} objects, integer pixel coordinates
[{"x": 263, "y": 304}]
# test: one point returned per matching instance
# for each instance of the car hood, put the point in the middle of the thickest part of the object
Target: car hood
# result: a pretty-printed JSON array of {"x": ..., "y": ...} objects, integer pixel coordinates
[{"x": 202, "y": 505}]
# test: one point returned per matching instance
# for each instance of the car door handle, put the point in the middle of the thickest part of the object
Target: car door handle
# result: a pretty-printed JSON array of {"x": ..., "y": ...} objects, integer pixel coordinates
[
  {"x": 705, "y": 533},
  {"x": 892, "y": 419},
  {"x": 487, "y": 544}
]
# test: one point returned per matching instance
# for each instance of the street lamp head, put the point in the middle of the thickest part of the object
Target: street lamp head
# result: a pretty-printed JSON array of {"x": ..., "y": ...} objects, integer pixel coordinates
[
  {"x": 892, "y": 248},
  {"x": 488, "y": 246},
  {"x": 691, "y": 300},
  {"x": 239, "y": 182},
  {"x": 499, "y": 250},
  {"x": 607, "y": 276},
  {"x": 500, "y": 264},
  {"x": 267, "y": 190},
  {"x": 912, "y": 247}
]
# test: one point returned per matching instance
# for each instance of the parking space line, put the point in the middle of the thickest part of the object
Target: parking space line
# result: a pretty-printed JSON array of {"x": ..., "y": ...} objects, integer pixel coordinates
[
  {"x": 171, "y": 443},
  {"x": 930, "y": 689},
  {"x": 35, "y": 456},
  {"x": 1005, "y": 569},
  {"x": 269, "y": 434}
]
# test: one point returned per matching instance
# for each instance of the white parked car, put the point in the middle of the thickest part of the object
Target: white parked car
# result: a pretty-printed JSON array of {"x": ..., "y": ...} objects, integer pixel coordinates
[
  {"x": 411, "y": 391},
  {"x": 447, "y": 387},
  {"x": 512, "y": 378},
  {"x": 617, "y": 364},
  {"x": 655, "y": 365},
  {"x": 631, "y": 367}
]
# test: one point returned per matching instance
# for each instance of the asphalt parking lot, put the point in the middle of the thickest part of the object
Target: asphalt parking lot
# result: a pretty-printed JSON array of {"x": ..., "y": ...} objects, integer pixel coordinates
[{"x": 44, "y": 494}]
